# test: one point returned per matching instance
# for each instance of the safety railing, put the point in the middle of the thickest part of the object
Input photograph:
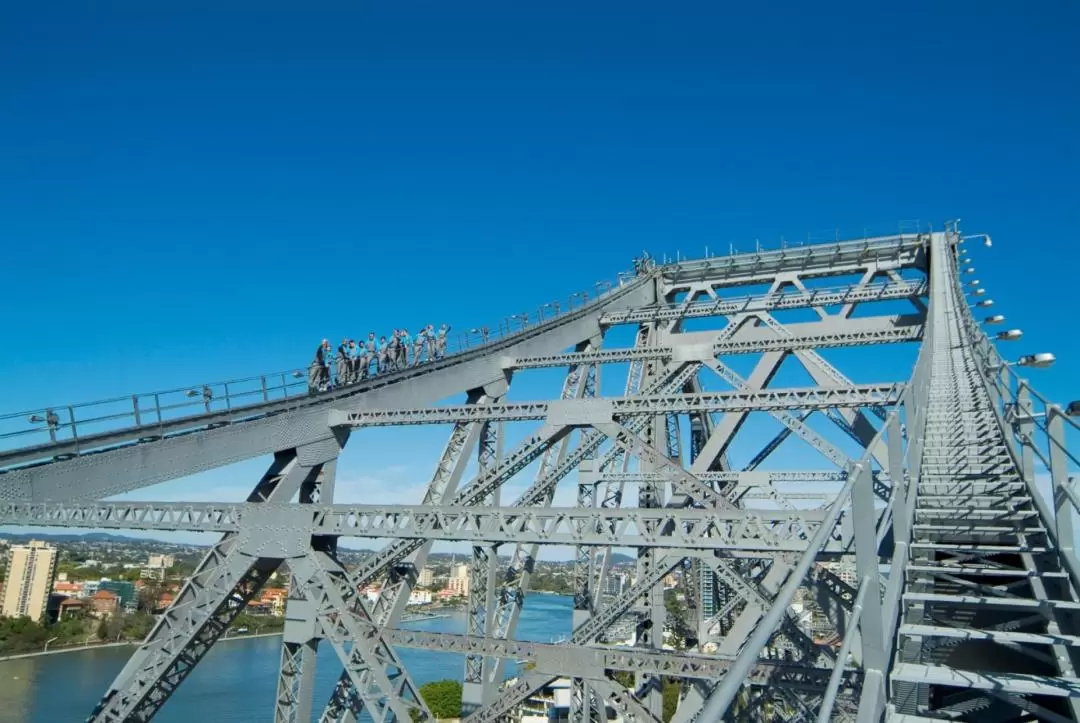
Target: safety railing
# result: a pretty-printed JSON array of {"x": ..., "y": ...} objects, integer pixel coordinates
[
  {"x": 1042, "y": 437},
  {"x": 151, "y": 411}
]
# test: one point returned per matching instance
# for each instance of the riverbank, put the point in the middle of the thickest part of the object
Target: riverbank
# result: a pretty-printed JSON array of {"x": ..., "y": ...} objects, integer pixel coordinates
[{"x": 121, "y": 644}]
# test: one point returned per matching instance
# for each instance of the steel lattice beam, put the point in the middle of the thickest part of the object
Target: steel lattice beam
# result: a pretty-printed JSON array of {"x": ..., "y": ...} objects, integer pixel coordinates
[
  {"x": 587, "y": 412},
  {"x": 769, "y": 302},
  {"x": 793, "y": 343}
]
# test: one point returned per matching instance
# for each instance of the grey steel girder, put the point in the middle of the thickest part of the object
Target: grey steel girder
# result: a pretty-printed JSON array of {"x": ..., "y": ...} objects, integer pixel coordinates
[
  {"x": 975, "y": 572},
  {"x": 342, "y": 617},
  {"x": 344, "y": 703},
  {"x": 526, "y": 452},
  {"x": 859, "y": 337},
  {"x": 583, "y": 634},
  {"x": 230, "y": 574},
  {"x": 509, "y": 595},
  {"x": 780, "y": 300},
  {"x": 252, "y": 432},
  {"x": 811, "y": 260},
  {"x": 589, "y": 412}
]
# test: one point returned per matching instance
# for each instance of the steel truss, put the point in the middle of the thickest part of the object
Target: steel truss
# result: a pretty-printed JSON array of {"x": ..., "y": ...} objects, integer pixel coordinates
[{"x": 931, "y": 478}]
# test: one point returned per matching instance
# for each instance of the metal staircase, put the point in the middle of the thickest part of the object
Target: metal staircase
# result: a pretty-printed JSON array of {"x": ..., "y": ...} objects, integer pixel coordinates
[{"x": 983, "y": 609}]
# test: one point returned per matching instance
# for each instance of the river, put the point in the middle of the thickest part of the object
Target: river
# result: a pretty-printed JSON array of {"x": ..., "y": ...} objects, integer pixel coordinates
[{"x": 236, "y": 682}]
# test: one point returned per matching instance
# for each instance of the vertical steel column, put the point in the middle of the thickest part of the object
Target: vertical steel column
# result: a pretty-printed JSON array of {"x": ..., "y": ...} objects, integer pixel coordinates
[
  {"x": 476, "y": 688},
  {"x": 1059, "y": 480},
  {"x": 300, "y": 639},
  {"x": 650, "y": 632},
  {"x": 344, "y": 705}
]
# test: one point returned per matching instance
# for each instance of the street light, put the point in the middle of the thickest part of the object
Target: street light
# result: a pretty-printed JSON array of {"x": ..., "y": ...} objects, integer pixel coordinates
[
  {"x": 1037, "y": 361},
  {"x": 1010, "y": 335},
  {"x": 985, "y": 303},
  {"x": 47, "y": 644},
  {"x": 1073, "y": 410},
  {"x": 995, "y": 319},
  {"x": 978, "y": 292},
  {"x": 973, "y": 282},
  {"x": 969, "y": 269},
  {"x": 985, "y": 236}
]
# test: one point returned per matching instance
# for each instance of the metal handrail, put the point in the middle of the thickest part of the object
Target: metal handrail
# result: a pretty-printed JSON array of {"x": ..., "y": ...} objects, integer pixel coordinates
[
  {"x": 150, "y": 410},
  {"x": 1036, "y": 437}
]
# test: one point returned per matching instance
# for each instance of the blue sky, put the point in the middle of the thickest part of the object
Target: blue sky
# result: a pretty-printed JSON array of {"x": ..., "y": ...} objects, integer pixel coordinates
[{"x": 204, "y": 193}]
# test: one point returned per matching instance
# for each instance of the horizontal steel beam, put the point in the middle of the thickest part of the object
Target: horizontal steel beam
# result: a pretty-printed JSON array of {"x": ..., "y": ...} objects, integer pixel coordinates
[
  {"x": 593, "y": 661},
  {"x": 793, "y": 343},
  {"x": 778, "y": 301},
  {"x": 588, "y": 412},
  {"x": 676, "y": 529},
  {"x": 755, "y": 477},
  {"x": 899, "y": 249}
]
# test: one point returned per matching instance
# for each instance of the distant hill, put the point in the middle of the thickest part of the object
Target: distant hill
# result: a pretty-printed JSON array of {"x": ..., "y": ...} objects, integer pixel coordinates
[{"x": 85, "y": 537}]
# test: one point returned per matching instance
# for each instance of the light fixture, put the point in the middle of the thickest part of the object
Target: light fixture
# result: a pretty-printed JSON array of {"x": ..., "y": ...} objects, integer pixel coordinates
[
  {"x": 1073, "y": 409},
  {"x": 995, "y": 319},
  {"x": 973, "y": 282},
  {"x": 1037, "y": 361},
  {"x": 985, "y": 303},
  {"x": 297, "y": 374},
  {"x": 969, "y": 270},
  {"x": 979, "y": 292},
  {"x": 1010, "y": 335},
  {"x": 192, "y": 393}
]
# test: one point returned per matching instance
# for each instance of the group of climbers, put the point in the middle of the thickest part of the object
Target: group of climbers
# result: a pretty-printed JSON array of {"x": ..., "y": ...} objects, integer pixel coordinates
[{"x": 356, "y": 360}]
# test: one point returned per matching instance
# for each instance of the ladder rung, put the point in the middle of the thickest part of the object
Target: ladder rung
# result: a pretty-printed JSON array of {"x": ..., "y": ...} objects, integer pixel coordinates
[
  {"x": 1014, "y": 603},
  {"x": 981, "y": 549},
  {"x": 1005, "y": 682},
  {"x": 981, "y": 571},
  {"x": 997, "y": 636}
]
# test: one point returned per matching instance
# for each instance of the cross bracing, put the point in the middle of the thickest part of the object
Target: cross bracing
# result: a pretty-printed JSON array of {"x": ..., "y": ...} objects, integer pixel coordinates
[{"x": 958, "y": 595}]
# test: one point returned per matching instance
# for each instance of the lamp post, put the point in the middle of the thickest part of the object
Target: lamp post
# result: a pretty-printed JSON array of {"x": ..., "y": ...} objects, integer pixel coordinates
[
  {"x": 1037, "y": 361},
  {"x": 46, "y": 649},
  {"x": 1041, "y": 360},
  {"x": 984, "y": 236}
]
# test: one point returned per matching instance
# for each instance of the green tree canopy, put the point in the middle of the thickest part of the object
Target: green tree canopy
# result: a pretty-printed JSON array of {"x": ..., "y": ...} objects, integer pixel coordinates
[{"x": 443, "y": 697}]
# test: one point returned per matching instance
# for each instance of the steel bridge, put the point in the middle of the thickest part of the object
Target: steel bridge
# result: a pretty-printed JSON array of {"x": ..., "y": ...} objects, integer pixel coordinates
[{"x": 961, "y": 603}]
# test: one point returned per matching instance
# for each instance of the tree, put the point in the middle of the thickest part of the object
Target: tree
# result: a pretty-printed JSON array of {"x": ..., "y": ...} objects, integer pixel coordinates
[
  {"x": 150, "y": 595},
  {"x": 671, "y": 698},
  {"x": 103, "y": 629},
  {"x": 443, "y": 697}
]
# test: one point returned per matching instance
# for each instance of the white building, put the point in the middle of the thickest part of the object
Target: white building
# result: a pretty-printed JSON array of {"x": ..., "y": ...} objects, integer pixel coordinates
[
  {"x": 164, "y": 561},
  {"x": 420, "y": 597},
  {"x": 426, "y": 578},
  {"x": 459, "y": 580}
]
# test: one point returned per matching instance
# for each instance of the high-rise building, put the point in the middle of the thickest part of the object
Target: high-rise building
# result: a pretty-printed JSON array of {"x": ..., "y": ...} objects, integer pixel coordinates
[
  {"x": 459, "y": 580},
  {"x": 30, "y": 572},
  {"x": 163, "y": 561},
  {"x": 426, "y": 577},
  {"x": 615, "y": 583}
]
